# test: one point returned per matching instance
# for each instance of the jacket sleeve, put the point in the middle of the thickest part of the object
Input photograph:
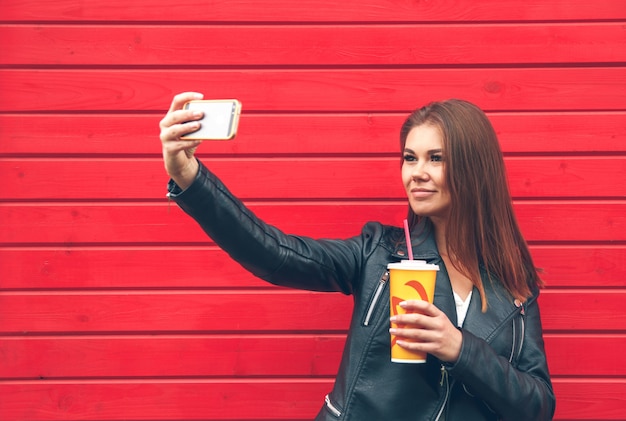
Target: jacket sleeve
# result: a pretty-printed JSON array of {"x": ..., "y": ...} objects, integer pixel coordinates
[
  {"x": 514, "y": 393},
  {"x": 287, "y": 260}
]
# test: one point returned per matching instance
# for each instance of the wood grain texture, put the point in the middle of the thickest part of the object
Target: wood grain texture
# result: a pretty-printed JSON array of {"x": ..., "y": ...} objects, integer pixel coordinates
[
  {"x": 321, "y": 134},
  {"x": 179, "y": 356},
  {"x": 222, "y": 399},
  {"x": 312, "y": 45},
  {"x": 69, "y": 225},
  {"x": 313, "y": 10},
  {"x": 346, "y": 90},
  {"x": 120, "y": 266},
  {"x": 175, "y": 311},
  {"x": 265, "y": 311},
  {"x": 278, "y": 399},
  {"x": 312, "y": 178},
  {"x": 244, "y": 356}
]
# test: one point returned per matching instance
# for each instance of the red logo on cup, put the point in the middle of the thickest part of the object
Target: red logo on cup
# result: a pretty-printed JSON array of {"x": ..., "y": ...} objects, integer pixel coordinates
[{"x": 395, "y": 301}]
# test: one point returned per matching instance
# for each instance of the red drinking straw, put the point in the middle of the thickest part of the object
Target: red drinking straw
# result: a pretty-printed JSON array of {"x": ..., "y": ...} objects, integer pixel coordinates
[{"x": 407, "y": 236}]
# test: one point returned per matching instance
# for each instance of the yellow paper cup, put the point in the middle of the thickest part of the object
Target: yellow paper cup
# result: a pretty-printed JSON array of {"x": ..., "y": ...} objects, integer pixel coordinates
[{"x": 409, "y": 280}]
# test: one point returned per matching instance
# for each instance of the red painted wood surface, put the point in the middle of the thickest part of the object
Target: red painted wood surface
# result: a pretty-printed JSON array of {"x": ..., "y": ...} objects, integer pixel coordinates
[
  {"x": 165, "y": 225},
  {"x": 267, "y": 399},
  {"x": 115, "y": 306},
  {"x": 314, "y": 10},
  {"x": 233, "y": 355},
  {"x": 147, "y": 266},
  {"x": 273, "y": 134},
  {"x": 307, "y": 45},
  {"x": 257, "y": 311},
  {"x": 323, "y": 178},
  {"x": 334, "y": 90}
]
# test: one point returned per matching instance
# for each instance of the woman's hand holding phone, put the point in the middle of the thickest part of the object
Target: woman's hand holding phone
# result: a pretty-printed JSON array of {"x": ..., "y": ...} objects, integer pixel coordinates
[
  {"x": 178, "y": 153},
  {"x": 189, "y": 121}
]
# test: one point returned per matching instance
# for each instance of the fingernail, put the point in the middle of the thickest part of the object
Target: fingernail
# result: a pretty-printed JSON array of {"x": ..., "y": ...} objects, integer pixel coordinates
[
  {"x": 403, "y": 304},
  {"x": 393, "y": 319}
]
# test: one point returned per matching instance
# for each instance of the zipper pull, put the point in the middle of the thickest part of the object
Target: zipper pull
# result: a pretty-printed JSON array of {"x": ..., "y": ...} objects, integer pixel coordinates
[
  {"x": 383, "y": 279},
  {"x": 444, "y": 376},
  {"x": 521, "y": 307}
]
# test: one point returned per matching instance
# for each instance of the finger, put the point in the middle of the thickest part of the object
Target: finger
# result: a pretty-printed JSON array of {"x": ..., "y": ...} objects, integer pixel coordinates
[
  {"x": 411, "y": 320},
  {"x": 429, "y": 341},
  {"x": 179, "y": 117},
  {"x": 420, "y": 306},
  {"x": 416, "y": 333},
  {"x": 417, "y": 346},
  {"x": 444, "y": 345},
  {"x": 176, "y": 114},
  {"x": 180, "y": 100},
  {"x": 174, "y": 132}
]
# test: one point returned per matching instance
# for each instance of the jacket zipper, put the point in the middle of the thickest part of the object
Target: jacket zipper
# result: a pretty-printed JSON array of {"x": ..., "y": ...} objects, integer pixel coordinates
[
  {"x": 513, "y": 342},
  {"x": 332, "y": 408},
  {"x": 379, "y": 290},
  {"x": 518, "y": 344},
  {"x": 444, "y": 379},
  {"x": 523, "y": 329}
]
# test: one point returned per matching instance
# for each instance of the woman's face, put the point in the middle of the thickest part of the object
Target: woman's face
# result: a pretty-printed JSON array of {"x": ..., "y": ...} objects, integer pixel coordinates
[{"x": 423, "y": 173}]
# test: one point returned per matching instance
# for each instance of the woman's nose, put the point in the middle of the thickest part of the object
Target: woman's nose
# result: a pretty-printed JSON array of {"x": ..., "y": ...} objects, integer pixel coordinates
[{"x": 419, "y": 172}]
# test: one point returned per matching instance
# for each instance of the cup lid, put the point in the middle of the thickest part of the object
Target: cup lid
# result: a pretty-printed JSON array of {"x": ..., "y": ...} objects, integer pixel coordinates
[{"x": 413, "y": 265}]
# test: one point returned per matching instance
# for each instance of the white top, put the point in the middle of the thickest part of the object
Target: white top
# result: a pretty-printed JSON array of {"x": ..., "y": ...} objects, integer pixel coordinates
[{"x": 461, "y": 307}]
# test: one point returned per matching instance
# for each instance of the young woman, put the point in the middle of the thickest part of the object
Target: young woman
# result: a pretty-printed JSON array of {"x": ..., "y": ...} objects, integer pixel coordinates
[{"x": 483, "y": 335}]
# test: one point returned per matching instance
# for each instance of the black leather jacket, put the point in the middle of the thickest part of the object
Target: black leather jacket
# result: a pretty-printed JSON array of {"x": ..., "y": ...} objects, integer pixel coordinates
[{"x": 501, "y": 372}]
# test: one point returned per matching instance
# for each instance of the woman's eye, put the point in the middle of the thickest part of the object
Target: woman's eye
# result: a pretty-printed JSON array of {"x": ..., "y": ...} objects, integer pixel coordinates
[
  {"x": 436, "y": 158},
  {"x": 409, "y": 158}
]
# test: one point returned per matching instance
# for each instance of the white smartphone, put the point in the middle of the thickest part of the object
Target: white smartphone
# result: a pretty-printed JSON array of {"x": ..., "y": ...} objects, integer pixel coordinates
[{"x": 220, "y": 120}]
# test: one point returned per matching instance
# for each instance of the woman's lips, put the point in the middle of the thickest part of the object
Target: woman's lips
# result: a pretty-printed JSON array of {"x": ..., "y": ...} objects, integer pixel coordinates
[{"x": 421, "y": 192}]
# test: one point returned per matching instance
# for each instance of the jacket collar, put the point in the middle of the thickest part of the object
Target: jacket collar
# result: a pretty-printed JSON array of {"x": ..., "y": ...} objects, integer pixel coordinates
[{"x": 501, "y": 307}]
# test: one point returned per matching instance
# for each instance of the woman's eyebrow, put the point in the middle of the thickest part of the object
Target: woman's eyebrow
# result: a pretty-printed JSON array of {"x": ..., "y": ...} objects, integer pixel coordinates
[{"x": 430, "y": 152}]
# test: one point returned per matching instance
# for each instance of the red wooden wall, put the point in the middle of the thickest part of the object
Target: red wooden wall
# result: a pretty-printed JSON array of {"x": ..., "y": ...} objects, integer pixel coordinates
[{"x": 113, "y": 304}]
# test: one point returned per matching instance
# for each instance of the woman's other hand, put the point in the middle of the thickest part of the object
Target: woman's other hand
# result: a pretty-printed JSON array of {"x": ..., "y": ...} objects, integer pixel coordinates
[
  {"x": 178, "y": 154},
  {"x": 426, "y": 328}
]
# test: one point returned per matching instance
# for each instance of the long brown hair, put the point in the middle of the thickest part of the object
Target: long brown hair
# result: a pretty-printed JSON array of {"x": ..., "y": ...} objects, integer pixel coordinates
[{"x": 481, "y": 228}]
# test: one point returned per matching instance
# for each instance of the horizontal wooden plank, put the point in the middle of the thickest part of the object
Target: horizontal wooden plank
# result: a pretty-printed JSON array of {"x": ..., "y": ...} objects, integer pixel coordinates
[
  {"x": 170, "y": 356},
  {"x": 65, "y": 267},
  {"x": 312, "y": 10},
  {"x": 572, "y": 177},
  {"x": 602, "y": 355},
  {"x": 582, "y": 310},
  {"x": 365, "y": 90},
  {"x": 575, "y": 266},
  {"x": 547, "y": 221},
  {"x": 165, "y": 224},
  {"x": 74, "y": 224},
  {"x": 305, "y": 45},
  {"x": 274, "y": 134},
  {"x": 249, "y": 400},
  {"x": 253, "y": 311},
  {"x": 290, "y": 399},
  {"x": 315, "y": 178},
  {"x": 245, "y": 356},
  {"x": 590, "y": 399},
  {"x": 168, "y": 311}
]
